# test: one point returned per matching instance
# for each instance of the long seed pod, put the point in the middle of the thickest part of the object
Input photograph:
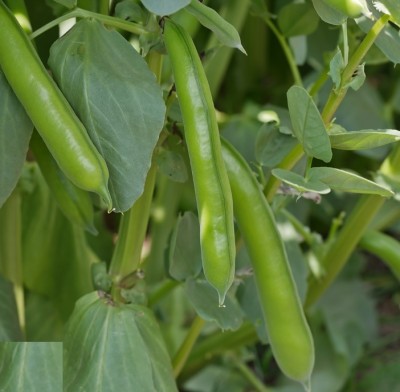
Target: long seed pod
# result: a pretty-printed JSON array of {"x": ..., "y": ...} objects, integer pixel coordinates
[
  {"x": 50, "y": 112},
  {"x": 289, "y": 334},
  {"x": 213, "y": 195}
]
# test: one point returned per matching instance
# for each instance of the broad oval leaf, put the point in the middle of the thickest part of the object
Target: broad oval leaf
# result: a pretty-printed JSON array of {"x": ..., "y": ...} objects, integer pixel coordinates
[
  {"x": 300, "y": 183},
  {"x": 308, "y": 126},
  {"x": 15, "y": 132},
  {"x": 329, "y": 14},
  {"x": 297, "y": 19},
  {"x": 114, "y": 347},
  {"x": 117, "y": 98},
  {"x": 210, "y": 18},
  {"x": 31, "y": 367},
  {"x": 342, "y": 180},
  {"x": 165, "y": 7},
  {"x": 204, "y": 299},
  {"x": 388, "y": 41},
  {"x": 390, "y": 7},
  {"x": 184, "y": 250},
  {"x": 272, "y": 145},
  {"x": 9, "y": 324},
  {"x": 362, "y": 140}
]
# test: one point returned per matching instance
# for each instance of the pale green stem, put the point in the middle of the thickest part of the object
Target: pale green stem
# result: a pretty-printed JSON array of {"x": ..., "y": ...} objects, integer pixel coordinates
[
  {"x": 287, "y": 51},
  {"x": 250, "y": 376},
  {"x": 334, "y": 100},
  {"x": 107, "y": 20},
  {"x": 184, "y": 351}
]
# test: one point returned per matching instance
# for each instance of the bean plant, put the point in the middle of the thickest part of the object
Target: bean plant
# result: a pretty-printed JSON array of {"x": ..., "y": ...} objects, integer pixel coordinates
[{"x": 199, "y": 196}]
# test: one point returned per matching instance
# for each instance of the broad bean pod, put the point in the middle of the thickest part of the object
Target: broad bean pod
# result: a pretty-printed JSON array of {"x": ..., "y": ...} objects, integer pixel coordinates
[
  {"x": 213, "y": 194},
  {"x": 50, "y": 112},
  {"x": 289, "y": 334}
]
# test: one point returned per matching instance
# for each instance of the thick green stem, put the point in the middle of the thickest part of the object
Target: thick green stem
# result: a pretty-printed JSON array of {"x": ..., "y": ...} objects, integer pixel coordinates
[
  {"x": 287, "y": 51},
  {"x": 184, "y": 351},
  {"x": 107, "y": 20},
  {"x": 341, "y": 249},
  {"x": 161, "y": 291},
  {"x": 255, "y": 382},
  {"x": 132, "y": 231},
  {"x": 336, "y": 97},
  {"x": 215, "y": 345},
  {"x": 334, "y": 100}
]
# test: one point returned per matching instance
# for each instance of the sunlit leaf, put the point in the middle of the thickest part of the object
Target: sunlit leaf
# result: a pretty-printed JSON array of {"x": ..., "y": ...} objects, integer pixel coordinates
[{"x": 308, "y": 126}]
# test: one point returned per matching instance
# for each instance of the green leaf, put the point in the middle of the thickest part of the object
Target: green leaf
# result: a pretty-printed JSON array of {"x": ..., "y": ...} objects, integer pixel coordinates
[
  {"x": 210, "y": 18},
  {"x": 67, "y": 3},
  {"x": 329, "y": 14},
  {"x": 363, "y": 139},
  {"x": 9, "y": 324},
  {"x": 130, "y": 10},
  {"x": 390, "y": 7},
  {"x": 114, "y": 347},
  {"x": 350, "y": 317},
  {"x": 184, "y": 251},
  {"x": 307, "y": 123},
  {"x": 56, "y": 265},
  {"x": 300, "y": 183},
  {"x": 388, "y": 41},
  {"x": 358, "y": 78},
  {"x": 117, "y": 98},
  {"x": 272, "y": 145},
  {"x": 342, "y": 180},
  {"x": 297, "y": 19},
  {"x": 15, "y": 132},
  {"x": 44, "y": 322},
  {"x": 173, "y": 165},
  {"x": 204, "y": 299},
  {"x": 336, "y": 67},
  {"x": 165, "y": 7},
  {"x": 31, "y": 367}
]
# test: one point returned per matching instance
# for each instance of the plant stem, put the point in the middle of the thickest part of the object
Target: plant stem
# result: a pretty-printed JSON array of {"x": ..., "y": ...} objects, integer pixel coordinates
[
  {"x": 249, "y": 375},
  {"x": 336, "y": 97},
  {"x": 287, "y": 51},
  {"x": 334, "y": 100},
  {"x": 161, "y": 291},
  {"x": 341, "y": 249},
  {"x": 106, "y": 19},
  {"x": 183, "y": 353},
  {"x": 287, "y": 163},
  {"x": 132, "y": 231},
  {"x": 216, "y": 344},
  {"x": 299, "y": 227}
]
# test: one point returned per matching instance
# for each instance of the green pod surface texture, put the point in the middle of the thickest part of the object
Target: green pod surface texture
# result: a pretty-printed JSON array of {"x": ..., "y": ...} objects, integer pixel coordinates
[
  {"x": 75, "y": 203},
  {"x": 213, "y": 194},
  {"x": 289, "y": 334},
  {"x": 50, "y": 112},
  {"x": 351, "y": 8}
]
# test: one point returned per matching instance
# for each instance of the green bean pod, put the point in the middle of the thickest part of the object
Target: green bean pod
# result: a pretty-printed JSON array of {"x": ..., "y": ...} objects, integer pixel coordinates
[
  {"x": 289, "y": 334},
  {"x": 50, "y": 112},
  {"x": 213, "y": 195},
  {"x": 385, "y": 247},
  {"x": 74, "y": 202}
]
